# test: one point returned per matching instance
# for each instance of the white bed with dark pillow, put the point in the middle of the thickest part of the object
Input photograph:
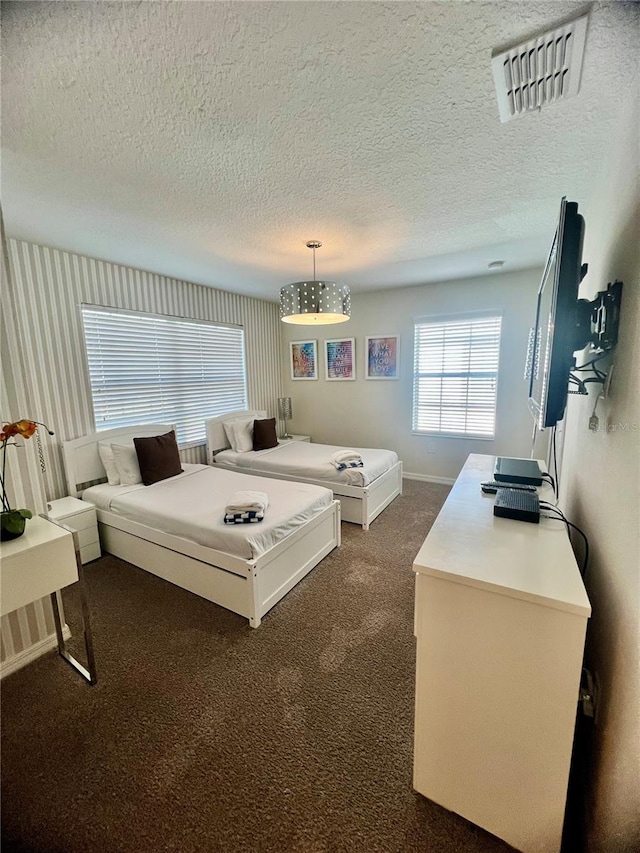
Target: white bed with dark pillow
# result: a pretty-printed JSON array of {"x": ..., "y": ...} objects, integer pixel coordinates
[
  {"x": 167, "y": 517},
  {"x": 364, "y": 492}
]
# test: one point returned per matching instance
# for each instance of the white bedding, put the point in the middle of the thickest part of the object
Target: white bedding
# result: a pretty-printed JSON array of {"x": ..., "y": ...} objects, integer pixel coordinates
[
  {"x": 191, "y": 505},
  {"x": 313, "y": 461}
]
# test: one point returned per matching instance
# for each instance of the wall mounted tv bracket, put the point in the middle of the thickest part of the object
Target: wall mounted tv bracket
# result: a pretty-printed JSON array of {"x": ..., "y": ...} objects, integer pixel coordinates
[
  {"x": 597, "y": 323},
  {"x": 598, "y": 319}
]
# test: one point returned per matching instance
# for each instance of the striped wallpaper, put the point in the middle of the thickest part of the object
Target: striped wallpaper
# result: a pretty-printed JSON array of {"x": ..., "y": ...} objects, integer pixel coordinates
[{"x": 47, "y": 288}]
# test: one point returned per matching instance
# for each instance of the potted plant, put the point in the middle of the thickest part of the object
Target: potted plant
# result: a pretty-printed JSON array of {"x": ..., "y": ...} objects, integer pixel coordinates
[{"x": 12, "y": 521}]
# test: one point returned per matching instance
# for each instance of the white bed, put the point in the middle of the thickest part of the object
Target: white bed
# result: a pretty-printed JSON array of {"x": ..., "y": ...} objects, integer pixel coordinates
[
  {"x": 246, "y": 568},
  {"x": 363, "y": 492}
]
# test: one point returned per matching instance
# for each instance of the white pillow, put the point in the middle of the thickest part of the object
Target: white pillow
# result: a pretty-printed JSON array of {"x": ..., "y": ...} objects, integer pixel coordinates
[
  {"x": 106, "y": 457},
  {"x": 239, "y": 434},
  {"x": 228, "y": 430},
  {"x": 243, "y": 432},
  {"x": 126, "y": 460}
]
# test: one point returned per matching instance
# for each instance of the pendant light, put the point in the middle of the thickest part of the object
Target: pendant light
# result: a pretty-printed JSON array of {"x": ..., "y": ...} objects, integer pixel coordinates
[{"x": 315, "y": 303}]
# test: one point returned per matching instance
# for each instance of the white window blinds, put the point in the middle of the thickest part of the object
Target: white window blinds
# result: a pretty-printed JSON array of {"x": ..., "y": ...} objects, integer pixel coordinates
[
  {"x": 146, "y": 368},
  {"x": 456, "y": 376}
]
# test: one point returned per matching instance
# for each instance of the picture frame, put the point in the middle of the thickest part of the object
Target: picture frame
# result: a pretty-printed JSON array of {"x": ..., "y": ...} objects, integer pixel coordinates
[
  {"x": 340, "y": 359},
  {"x": 382, "y": 357},
  {"x": 303, "y": 359}
]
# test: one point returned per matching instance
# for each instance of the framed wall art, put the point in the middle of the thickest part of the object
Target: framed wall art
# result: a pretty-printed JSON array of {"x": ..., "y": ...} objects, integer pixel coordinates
[
  {"x": 382, "y": 357},
  {"x": 340, "y": 362},
  {"x": 303, "y": 356}
]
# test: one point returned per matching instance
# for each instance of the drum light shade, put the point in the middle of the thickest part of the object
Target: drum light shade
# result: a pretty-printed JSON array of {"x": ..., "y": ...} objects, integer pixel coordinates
[{"x": 315, "y": 303}]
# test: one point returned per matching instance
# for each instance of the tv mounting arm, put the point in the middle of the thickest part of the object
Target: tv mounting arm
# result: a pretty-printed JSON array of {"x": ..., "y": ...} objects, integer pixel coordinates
[{"x": 597, "y": 322}]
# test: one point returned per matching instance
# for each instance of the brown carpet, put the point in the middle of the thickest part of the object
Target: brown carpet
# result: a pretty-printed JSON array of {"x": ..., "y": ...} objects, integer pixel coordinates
[{"x": 203, "y": 734}]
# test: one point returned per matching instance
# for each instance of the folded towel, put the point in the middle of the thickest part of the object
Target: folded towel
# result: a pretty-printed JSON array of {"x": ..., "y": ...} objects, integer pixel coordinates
[
  {"x": 346, "y": 456},
  {"x": 247, "y": 501},
  {"x": 353, "y": 464},
  {"x": 346, "y": 459},
  {"x": 249, "y": 517}
]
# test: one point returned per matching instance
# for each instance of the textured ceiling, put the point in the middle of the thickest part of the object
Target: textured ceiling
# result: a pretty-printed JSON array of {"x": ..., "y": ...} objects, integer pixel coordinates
[{"x": 211, "y": 140}]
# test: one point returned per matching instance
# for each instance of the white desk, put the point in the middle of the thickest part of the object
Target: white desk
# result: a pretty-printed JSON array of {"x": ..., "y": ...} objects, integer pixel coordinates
[
  {"x": 45, "y": 559},
  {"x": 500, "y": 620}
]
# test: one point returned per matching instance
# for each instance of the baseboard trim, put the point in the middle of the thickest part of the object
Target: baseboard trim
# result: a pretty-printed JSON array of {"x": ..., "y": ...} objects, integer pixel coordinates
[
  {"x": 29, "y": 654},
  {"x": 427, "y": 478}
]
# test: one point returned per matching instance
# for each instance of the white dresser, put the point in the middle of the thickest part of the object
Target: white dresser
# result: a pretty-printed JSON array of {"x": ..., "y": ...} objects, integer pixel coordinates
[
  {"x": 500, "y": 620},
  {"x": 81, "y": 517}
]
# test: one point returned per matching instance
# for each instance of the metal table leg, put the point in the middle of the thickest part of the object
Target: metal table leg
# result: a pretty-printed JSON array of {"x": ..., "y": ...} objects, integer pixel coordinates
[{"x": 88, "y": 672}]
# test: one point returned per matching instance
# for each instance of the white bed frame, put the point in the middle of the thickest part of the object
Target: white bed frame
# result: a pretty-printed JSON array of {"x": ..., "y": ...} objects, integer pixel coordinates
[
  {"x": 247, "y": 587},
  {"x": 359, "y": 504}
]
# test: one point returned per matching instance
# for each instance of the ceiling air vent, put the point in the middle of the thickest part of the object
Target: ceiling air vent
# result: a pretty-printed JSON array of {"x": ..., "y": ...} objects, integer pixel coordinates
[{"x": 540, "y": 71}]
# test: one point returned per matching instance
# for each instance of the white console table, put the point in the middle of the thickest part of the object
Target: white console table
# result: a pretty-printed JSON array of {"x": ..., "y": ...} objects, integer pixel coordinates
[
  {"x": 500, "y": 620},
  {"x": 45, "y": 559}
]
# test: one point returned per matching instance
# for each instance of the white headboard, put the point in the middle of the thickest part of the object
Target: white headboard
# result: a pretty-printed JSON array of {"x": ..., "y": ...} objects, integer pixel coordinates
[
  {"x": 217, "y": 437},
  {"x": 82, "y": 463}
]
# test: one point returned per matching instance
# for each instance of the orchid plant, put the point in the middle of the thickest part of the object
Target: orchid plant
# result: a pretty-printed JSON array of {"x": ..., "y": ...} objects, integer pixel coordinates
[{"x": 13, "y": 520}]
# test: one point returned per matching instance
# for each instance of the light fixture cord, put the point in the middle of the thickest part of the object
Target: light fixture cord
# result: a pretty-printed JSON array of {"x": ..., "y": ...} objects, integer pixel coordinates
[{"x": 314, "y": 263}]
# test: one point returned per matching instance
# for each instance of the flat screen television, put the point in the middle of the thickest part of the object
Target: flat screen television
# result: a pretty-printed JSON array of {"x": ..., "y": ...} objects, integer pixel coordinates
[{"x": 559, "y": 329}]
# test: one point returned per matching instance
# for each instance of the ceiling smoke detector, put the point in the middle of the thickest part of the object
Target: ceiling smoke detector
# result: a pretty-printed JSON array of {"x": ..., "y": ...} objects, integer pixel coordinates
[{"x": 540, "y": 71}]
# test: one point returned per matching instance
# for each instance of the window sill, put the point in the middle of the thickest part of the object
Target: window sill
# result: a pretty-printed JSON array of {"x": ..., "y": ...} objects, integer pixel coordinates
[
  {"x": 465, "y": 435},
  {"x": 201, "y": 442}
]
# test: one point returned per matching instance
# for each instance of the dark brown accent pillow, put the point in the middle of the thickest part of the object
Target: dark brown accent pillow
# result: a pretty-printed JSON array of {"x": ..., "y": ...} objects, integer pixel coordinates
[
  {"x": 264, "y": 434},
  {"x": 158, "y": 457}
]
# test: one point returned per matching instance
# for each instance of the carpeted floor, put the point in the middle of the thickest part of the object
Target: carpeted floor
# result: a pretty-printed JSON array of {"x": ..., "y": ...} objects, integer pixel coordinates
[{"x": 203, "y": 734}]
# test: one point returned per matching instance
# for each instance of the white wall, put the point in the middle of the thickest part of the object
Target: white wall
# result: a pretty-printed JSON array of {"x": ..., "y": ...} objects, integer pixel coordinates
[
  {"x": 378, "y": 413},
  {"x": 601, "y": 493}
]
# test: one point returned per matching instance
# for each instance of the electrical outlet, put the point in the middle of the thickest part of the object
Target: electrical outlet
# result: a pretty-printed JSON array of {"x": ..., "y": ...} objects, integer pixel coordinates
[
  {"x": 431, "y": 448},
  {"x": 588, "y": 695}
]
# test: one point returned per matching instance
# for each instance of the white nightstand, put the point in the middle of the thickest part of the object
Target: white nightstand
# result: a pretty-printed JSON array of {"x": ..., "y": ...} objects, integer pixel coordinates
[
  {"x": 299, "y": 438},
  {"x": 80, "y": 516}
]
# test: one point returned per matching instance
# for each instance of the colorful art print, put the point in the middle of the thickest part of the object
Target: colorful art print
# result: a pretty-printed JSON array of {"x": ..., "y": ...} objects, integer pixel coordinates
[
  {"x": 340, "y": 359},
  {"x": 304, "y": 359},
  {"x": 382, "y": 356}
]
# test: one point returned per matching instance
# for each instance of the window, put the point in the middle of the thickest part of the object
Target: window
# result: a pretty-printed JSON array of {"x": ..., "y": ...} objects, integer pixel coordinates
[
  {"x": 455, "y": 376},
  {"x": 147, "y": 368}
]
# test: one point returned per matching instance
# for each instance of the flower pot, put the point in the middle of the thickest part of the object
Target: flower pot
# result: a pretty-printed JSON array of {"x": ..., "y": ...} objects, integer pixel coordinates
[{"x": 12, "y": 523}]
